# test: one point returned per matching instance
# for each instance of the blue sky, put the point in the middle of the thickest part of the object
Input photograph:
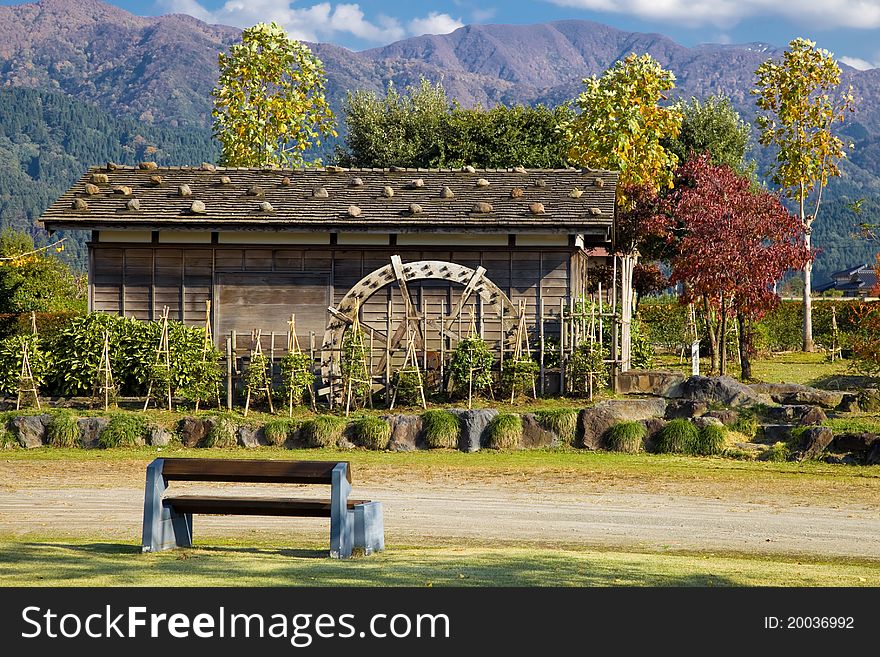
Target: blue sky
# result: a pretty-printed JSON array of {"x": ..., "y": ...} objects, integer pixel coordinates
[{"x": 849, "y": 28}]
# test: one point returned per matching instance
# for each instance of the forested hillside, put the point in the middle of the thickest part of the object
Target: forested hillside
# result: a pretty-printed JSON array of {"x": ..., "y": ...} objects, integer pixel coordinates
[{"x": 47, "y": 140}]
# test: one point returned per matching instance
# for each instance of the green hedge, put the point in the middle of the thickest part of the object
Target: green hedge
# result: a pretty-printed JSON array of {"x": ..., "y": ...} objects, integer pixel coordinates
[{"x": 665, "y": 322}]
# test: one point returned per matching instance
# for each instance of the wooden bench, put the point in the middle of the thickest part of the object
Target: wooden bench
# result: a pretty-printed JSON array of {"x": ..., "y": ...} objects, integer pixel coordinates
[{"x": 168, "y": 517}]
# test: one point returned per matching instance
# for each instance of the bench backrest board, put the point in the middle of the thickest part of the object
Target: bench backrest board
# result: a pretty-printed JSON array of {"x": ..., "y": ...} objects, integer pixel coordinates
[{"x": 251, "y": 471}]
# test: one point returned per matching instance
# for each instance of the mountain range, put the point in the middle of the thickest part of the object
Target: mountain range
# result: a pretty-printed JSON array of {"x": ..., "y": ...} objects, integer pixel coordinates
[{"x": 159, "y": 71}]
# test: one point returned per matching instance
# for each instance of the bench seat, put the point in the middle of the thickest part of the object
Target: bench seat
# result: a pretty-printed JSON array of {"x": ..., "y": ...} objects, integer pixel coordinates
[
  {"x": 254, "y": 506},
  {"x": 168, "y": 517}
]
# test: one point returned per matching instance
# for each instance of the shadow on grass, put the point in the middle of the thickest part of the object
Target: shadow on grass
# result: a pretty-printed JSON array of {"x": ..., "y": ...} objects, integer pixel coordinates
[
  {"x": 845, "y": 382},
  {"x": 121, "y": 564}
]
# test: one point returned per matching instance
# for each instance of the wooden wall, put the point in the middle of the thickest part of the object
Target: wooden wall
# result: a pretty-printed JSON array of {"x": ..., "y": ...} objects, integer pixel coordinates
[{"x": 260, "y": 286}]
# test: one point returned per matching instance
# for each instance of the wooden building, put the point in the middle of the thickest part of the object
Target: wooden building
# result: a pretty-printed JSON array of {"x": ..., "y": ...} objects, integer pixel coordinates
[{"x": 262, "y": 244}]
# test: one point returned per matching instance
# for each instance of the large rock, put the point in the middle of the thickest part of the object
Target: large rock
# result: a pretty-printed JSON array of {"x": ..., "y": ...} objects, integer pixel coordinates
[
  {"x": 776, "y": 433},
  {"x": 593, "y": 422},
  {"x": 160, "y": 437},
  {"x": 90, "y": 430},
  {"x": 685, "y": 408},
  {"x": 850, "y": 403},
  {"x": 249, "y": 436},
  {"x": 813, "y": 442},
  {"x": 874, "y": 455},
  {"x": 813, "y": 417},
  {"x": 649, "y": 382},
  {"x": 704, "y": 421},
  {"x": 473, "y": 427},
  {"x": 193, "y": 430},
  {"x": 406, "y": 433},
  {"x": 653, "y": 427},
  {"x": 790, "y": 414},
  {"x": 793, "y": 393},
  {"x": 723, "y": 390},
  {"x": 727, "y": 417},
  {"x": 30, "y": 430},
  {"x": 855, "y": 442},
  {"x": 535, "y": 435}
]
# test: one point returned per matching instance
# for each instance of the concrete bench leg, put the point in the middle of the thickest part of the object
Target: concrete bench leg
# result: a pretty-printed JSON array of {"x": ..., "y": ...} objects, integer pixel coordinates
[
  {"x": 163, "y": 527},
  {"x": 341, "y": 520},
  {"x": 369, "y": 527}
]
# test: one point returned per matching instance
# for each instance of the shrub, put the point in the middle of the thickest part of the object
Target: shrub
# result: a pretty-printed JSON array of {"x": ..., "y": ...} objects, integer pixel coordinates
[
  {"x": 63, "y": 430},
  {"x": 562, "y": 421},
  {"x": 10, "y": 363},
  {"x": 441, "y": 429},
  {"x": 296, "y": 376},
  {"x": 7, "y": 440},
  {"x": 354, "y": 363},
  {"x": 710, "y": 440},
  {"x": 124, "y": 430},
  {"x": 256, "y": 377},
  {"x": 472, "y": 358},
  {"x": 504, "y": 431},
  {"x": 519, "y": 376},
  {"x": 746, "y": 424},
  {"x": 406, "y": 386},
  {"x": 626, "y": 437},
  {"x": 223, "y": 433},
  {"x": 678, "y": 437},
  {"x": 778, "y": 452},
  {"x": 585, "y": 360},
  {"x": 279, "y": 430},
  {"x": 323, "y": 431},
  {"x": 371, "y": 432}
]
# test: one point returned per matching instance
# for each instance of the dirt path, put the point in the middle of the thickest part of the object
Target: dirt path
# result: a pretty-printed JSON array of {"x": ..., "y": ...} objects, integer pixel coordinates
[{"x": 448, "y": 510}]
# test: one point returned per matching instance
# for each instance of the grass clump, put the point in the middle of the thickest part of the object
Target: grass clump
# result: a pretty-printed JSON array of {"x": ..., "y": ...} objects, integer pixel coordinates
[
  {"x": 323, "y": 431},
  {"x": 678, "y": 437},
  {"x": 777, "y": 453},
  {"x": 711, "y": 440},
  {"x": 626, "y": 437},
  {"x": 746, "y": 424},
  {"x": 63, "y": 430},
  {"x": 371, "y": 432},
  {"x": 441, "y": 429},
  {"x": 504, "y": 431},
  {"x": 278, "y": 431},
  {"x": 561, "y": 421},
  {"x": 124, "y": 430},
  {"x": 223, "y": 433}
]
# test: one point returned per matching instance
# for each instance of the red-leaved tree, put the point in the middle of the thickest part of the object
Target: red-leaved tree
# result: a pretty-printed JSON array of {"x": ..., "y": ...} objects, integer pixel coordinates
[{"x": 732, "y": 243}]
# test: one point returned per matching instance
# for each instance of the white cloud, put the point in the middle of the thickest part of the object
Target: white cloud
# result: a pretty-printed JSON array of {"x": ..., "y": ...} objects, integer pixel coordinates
[
  {"x": 317, "y": 22},
  {"x": 434, "y": 23},
  {"x": 863, "y": 14},
  {"x": 858, "y": 63}
]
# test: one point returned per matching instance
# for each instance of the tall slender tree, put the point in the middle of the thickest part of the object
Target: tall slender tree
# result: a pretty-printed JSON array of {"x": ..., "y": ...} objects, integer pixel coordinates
[
  {"x": 621, "y": 126},
  {"x": 269, "y": 104},
  {"x": 800, "y": 102}
]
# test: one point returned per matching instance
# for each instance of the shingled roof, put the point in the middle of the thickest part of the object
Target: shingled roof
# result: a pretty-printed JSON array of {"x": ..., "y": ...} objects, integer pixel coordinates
[{"x": 336, "y": 199}]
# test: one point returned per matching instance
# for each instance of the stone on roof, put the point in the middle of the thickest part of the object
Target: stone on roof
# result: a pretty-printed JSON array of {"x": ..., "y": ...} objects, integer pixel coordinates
[
  {"x": 536, "y": 208},
  {"x": 148, "y": 166},
  {"x": 454, "y": 206},
  {"x": 354, "y": 211},
  {"x": 133, "y": 204}
]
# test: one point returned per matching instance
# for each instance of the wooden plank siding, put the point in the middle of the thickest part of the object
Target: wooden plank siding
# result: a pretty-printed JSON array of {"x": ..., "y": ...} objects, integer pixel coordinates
[{"x": 260, "y": 286}]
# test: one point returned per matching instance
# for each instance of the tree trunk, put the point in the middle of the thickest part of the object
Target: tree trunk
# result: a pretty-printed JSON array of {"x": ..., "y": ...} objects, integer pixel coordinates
[
  {"x": 808, "y": 279},
  {"x": 745, "y": 347},
  {"x": 722, "y": 339},
  {"x": 713, "y": 340}
]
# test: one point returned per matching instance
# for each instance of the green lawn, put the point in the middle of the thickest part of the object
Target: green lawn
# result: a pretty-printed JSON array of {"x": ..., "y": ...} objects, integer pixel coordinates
[
  {"x": 795, "y": 367},
  {"x": 48, "y": 562}
]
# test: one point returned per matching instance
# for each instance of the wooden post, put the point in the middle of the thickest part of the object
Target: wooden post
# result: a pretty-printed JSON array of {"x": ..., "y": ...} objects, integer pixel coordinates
[
  {"x": 229, "y": 382},
  {"x": 442, "y": 343},
  {"x": 562, "y": 388},
  {"x": 503, "y": 338},
  {"x": 271, "y": 356},
  {"x": 542, "y": 372},
  {"x": 388, "y": 352}
]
